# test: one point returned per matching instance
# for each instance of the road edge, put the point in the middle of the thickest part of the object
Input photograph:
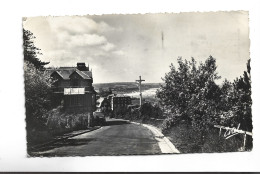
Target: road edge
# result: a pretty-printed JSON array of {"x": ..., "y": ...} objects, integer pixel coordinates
[{"x": 164, "y": 143}]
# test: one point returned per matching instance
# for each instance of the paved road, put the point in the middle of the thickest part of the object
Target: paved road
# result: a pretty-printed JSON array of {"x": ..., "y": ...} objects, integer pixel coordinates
[{"x": 117, "y": 138}]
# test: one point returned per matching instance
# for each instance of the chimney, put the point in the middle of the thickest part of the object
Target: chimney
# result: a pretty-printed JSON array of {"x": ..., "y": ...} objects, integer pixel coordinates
[{"x": 82, "y": 66}]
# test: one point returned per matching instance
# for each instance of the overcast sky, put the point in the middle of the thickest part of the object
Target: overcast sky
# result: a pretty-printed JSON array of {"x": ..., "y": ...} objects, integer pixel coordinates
[{"x": 119, "y": 48}]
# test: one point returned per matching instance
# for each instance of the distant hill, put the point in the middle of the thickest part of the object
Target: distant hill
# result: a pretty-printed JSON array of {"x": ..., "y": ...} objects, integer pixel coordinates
[{"x": 124, "y": 86}]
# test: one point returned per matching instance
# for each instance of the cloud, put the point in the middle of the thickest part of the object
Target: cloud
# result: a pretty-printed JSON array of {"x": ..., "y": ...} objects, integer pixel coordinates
[
  {"x": 67, "y": 39},
  {"x": 86, "y": 40},
  {"x": 78, "y": 25},
  {"x": 108, "y": 47},
  {"x": 119, "y": 52},
  {"x": 105, "y": 28},
  {"x": 72, "y": 25},
  {"x": 72, "y": 32}
]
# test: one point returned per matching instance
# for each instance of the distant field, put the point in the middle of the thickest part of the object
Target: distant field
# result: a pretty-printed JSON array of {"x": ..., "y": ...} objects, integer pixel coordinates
[{"x": 131, "y": 89}]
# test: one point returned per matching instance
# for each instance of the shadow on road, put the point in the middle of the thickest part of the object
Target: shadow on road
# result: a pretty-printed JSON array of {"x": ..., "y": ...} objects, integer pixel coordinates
[
  {"x": 66, "y": 142},
  {"x": 116, "y": 122},
  {"x": 74, "y": 142}
]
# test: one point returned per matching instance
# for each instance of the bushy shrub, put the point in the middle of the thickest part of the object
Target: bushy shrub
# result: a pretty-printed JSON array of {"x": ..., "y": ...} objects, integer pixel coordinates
[
  {"x": 145, "y": 112},
  {"x": 120, "y": 112},
  {"x": 188, "y": 140},
  {"x": 59, "y": 121},
  {"x": 190, "y": 93},
  {"x": 149, "y": 110},
  {"x": 37, "y": 95}
]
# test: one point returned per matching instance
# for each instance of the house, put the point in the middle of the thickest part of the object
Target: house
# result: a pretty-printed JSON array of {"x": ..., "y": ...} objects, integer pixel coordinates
[
  {"x": 73, "y": 86},
  {"x": 119, "y": 101}
]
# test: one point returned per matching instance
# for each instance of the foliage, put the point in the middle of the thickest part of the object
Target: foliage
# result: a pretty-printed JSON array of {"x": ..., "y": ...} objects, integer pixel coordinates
[
  {"x": 30, "y": 51},
  {"x": 37, "y": 94},
  {"x": 238, "y": 97},
  {"x": 191, "y": 94},
  {"x": 120, "y": 112},
  {"x": 105, "y": 92},
  {"x": 37, "y": 83},
  {"x": 187, "y": 140},
  {"x": 149, "y": 110},
  {"x": 59, "y": 121}
]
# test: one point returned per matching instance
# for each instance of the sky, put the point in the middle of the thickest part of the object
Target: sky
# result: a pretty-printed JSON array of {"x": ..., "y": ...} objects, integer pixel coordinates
[{"x": 120, "y": 48}]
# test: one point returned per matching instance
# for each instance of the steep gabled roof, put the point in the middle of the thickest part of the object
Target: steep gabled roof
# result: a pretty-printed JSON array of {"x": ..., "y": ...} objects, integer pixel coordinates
[
  {"x": 81, "y": 74},
  {"x": 89, "y": 73},
  {"x": 59, "y": 74},
  {"x": 66, "y": 72}
]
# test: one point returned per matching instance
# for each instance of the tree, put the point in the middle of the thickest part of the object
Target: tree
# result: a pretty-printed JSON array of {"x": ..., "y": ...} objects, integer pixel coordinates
[
  {"x": 242, "y": 101},
  {"x": 30, "y": 51},
  {"x": 37, "y": 83},
  {"x": 191, "y": 94},
  {"x": 37, "y": 95}
]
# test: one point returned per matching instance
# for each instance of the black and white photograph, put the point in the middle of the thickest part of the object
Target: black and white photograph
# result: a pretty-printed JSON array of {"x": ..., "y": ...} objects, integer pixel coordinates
[
  {"x": 130, "y": 86},
  {"x": 137, "y": 84}
]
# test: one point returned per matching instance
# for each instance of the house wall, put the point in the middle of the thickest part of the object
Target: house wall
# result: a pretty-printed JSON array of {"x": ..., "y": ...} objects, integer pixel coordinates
[
  {"x": 81, "y": 101},
  {"x": 61, "y": 84},
  {"x": 64, "y": 83},
  {"x": 86, "y": 83}
]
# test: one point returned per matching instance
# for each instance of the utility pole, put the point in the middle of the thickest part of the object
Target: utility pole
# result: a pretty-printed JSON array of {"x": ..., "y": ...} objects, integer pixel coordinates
[{"x": 139, "y": 82}]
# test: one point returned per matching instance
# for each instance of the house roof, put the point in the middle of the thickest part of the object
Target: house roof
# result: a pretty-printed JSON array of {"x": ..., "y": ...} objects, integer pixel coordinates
[
  {"x": 66, "y": 72},
  {"x": 81, "y": 74},
  {"x": 89, "y": 73},
  {"x": 59, "y": 74}
]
